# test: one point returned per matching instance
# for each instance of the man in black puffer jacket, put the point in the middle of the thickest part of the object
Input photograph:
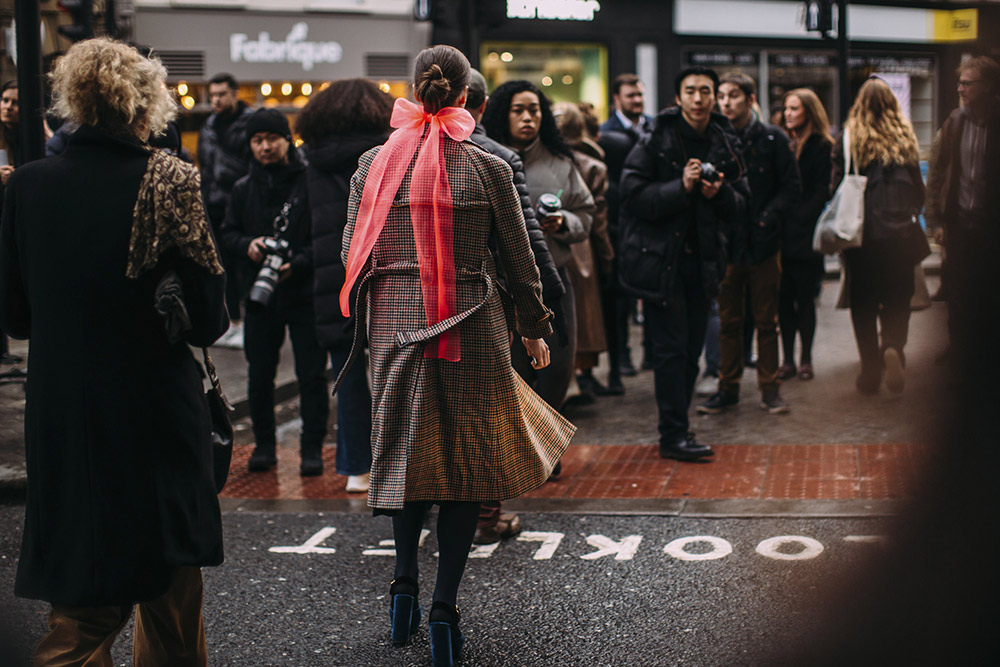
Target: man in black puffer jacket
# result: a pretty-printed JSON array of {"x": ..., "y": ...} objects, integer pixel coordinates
[
  {"x": 224, "y": 158},
  {"x": 493, "y": 525},
  {"x": 272, "y": 202},
  {"x": 676, "y": 213},
  {"x": 754, "y": 264}
]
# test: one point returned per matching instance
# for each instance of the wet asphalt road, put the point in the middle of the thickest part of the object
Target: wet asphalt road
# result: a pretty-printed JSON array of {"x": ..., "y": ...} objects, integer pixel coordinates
[{"x": 635, "y": 606}]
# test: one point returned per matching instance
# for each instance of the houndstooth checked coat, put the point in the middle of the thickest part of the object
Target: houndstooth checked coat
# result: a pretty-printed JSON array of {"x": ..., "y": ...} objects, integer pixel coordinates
[{"x": 459, "y": 431}]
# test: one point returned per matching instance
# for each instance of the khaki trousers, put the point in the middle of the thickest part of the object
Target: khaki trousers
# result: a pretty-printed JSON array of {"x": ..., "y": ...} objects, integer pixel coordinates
[
  {"x": 763, "y": 281},
  {"x": 169, "y": 630}
]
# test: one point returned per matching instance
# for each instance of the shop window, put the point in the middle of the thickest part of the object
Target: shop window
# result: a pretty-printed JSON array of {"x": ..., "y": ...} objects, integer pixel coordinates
[{"x": 564, "y": 72}]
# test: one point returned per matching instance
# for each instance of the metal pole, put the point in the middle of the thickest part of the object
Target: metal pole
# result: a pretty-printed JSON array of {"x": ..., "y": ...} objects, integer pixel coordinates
[
  {"x": 844, "y": 48},
  {"x": 29, "y": 79}
]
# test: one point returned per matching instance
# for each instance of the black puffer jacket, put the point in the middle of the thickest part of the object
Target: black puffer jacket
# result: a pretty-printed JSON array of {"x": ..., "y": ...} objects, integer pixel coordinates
[
  {"x": 552, "y": 286},
  {"x": 224, "y": 158},
  {"x": 332, "y": 162},
  {"x": 657, "y": 213},
  {"x": 814, "y": 175},
  {"x": 774, "y": 190},
  {"x": 257, "y": 199}
]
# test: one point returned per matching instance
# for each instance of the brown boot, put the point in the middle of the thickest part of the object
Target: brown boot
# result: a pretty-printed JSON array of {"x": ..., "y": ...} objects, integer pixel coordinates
[{"x": 508, "y": 525}]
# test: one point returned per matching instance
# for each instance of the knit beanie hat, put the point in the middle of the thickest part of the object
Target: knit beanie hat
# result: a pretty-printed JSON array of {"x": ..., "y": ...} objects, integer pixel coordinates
[{"x": 268, "y": 120}]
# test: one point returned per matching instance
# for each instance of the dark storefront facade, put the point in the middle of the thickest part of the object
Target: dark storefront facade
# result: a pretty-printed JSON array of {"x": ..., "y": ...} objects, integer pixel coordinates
[{"x": 573, "y": 48}]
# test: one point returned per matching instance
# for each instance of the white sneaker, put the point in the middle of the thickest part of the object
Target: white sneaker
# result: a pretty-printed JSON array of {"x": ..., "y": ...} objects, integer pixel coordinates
[
  {"x": 708, "y": 385},
  {"x": 233, "y": 338},
  {"x": 357, "y": 483}
]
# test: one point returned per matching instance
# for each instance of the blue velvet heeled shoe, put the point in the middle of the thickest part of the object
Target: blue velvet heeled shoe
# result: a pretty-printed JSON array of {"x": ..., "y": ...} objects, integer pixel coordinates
[
  {"x": 446, "y": 639},
  {"x": 404, "y": 611}
]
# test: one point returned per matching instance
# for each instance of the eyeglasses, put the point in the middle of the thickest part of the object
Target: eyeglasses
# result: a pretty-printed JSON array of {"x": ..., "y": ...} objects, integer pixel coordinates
[{"x": 965, "y": 83}]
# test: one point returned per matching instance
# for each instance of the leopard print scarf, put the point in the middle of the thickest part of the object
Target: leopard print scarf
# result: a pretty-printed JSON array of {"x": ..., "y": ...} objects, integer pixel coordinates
[{"x": 169, "y": 213}]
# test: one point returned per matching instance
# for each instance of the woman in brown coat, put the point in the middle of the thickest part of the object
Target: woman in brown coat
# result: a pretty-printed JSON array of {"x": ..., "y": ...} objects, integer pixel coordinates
[
  {"x": 592, "y": 258},
  {"x": 416, "y": 251}
]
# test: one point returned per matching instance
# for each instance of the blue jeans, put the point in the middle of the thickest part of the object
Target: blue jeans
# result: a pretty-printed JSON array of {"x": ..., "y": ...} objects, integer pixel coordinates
[
  {"x": 354, "y": 414},
  {"x": 676, "y": 334}
]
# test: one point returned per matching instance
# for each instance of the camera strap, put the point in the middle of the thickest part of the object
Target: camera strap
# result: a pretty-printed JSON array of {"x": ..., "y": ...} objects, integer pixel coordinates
[{"x": 281, "y": 220}]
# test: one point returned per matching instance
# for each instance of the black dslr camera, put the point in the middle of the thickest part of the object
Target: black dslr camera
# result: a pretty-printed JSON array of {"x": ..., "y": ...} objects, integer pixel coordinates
[
  {"x": 709, "y": 173},
  {"x": 277, "y": 253}
]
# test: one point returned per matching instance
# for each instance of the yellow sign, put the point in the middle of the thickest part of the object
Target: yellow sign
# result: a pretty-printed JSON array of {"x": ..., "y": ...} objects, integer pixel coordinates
[{"x": 959, "y": 25}]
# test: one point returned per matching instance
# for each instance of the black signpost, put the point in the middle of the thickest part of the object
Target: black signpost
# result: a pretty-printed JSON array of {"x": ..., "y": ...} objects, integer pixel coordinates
[
  {"x": 819, "y": 18},
  {"x": 27, "y": 16}
]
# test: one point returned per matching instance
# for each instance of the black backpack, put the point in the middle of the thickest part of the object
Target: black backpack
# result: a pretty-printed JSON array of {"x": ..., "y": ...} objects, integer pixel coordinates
[{"x": 893, "y": 199}]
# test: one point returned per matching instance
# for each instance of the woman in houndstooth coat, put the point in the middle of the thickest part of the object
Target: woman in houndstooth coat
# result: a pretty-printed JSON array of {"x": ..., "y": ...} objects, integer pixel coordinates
[{"x": 451, "y": 422}]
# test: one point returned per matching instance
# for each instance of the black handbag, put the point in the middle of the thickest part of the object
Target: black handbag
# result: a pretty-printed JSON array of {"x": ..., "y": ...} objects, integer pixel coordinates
[
  {"x": 169, "y": 303},
  {"x": 222, "y": 430}
]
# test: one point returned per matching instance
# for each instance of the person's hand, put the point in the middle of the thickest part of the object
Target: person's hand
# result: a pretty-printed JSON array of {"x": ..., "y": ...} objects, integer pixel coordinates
[
  {"x": 284, "y": 271},
  {"x": 538, "y": 350},
  {"x": 5, "y": 173},
  {"x": 709, "y": 190},
  {"x": 552, "y": 223},
  {"x": 938, "y": 234},
  {"x": 692, "y": 174},
  {"x": 256, "y": 249}
]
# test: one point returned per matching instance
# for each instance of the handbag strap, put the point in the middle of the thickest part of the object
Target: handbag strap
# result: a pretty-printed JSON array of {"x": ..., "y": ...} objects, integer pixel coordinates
[
  {"x": 847, "y": 155},
  {"x": 214, "y": 377}
]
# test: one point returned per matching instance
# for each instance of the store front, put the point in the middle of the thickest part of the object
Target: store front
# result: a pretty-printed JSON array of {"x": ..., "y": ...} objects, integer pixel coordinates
[
  {"x": 908, "y": 47},
  {"x": 572, "y": 49},
  {"x": 279, "y": 58}
]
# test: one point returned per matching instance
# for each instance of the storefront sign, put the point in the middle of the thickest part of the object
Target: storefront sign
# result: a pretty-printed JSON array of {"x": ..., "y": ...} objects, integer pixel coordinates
[
  {"x": 557, "y": 10},
  {"x": 956, "y": 26},
  {"x": 722, "y": 58},
  {"x": 800, "y": 60},
  {"x": 293, "y": 50}
]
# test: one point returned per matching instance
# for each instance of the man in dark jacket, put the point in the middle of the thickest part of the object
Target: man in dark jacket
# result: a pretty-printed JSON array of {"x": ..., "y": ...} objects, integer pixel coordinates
[
  {"x": 754, "y": 243},
  {"x": 224, "y": 158},
  {"x": 963, "y": 200},
  {"x": 618, "y": 134},
  {"x": 683, "y": 187},
  {"x": 271, "y": 203},
  {"x": 494, "y": 526},
  {"x": 628, "y": 117}
]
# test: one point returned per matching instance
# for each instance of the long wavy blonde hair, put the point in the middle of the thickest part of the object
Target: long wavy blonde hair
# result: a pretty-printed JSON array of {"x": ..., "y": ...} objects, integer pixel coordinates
[
  {"x": 878, "y": 130},
  {"x": 111, "y": 86}
]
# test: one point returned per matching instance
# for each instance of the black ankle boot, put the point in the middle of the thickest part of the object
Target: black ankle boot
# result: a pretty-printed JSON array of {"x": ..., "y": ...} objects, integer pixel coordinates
[
  {"x": 446, "y": 638},
  {"x": 404, "y": 611},
  {"x": 312, "y": 461},
  {"x": 262, "y": 459}
]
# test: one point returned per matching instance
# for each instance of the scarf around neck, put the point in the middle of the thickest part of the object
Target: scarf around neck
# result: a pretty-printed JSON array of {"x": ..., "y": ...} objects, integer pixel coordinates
[{"x": 430, "y": 211}]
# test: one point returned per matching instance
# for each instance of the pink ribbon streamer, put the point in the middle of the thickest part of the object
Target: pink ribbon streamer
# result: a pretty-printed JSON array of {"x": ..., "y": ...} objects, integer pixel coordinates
[{"x": 430, "y": 211}]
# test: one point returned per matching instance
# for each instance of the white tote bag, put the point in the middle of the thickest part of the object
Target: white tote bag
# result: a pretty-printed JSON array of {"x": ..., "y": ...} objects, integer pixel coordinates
[{"x": 841, "y": 222}]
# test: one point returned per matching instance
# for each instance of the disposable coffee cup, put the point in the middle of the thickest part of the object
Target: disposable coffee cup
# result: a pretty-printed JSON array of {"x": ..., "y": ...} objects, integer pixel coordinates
[{"x": 4, "y": 160}]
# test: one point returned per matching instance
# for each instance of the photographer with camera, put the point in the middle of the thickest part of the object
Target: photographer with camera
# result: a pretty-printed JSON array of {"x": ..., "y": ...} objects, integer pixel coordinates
[
  {"x": 268, "y": 222},
  {"x": 683, "y": 189}
]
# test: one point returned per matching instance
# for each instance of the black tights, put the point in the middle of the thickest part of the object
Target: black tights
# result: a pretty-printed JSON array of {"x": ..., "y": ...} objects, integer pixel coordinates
[
  {"x": 456, "y": 527},
  {"x": 800, "y": 285}
]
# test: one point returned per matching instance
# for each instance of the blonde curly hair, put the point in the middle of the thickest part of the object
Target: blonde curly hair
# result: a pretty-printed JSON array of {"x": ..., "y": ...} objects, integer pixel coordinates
[
  {"x": 879, "y": 132},
  {"x": 111, "y": 86}
]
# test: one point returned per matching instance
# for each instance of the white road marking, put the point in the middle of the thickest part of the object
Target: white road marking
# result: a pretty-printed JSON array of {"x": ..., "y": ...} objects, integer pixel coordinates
[
  {"x": 310, "y": 546},
  {"x": 392, "y": 544},
  {"x": 678, "y": 548},
  {"x": 550, "y": 542},
  {"x": 623, "y": 550},
  {"x": 865, "y": 539},
  {"x": 770, "y": 547}
]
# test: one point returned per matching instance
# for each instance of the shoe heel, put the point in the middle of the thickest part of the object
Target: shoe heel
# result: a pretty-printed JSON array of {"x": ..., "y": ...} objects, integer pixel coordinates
[
  {"x": 441, "y": 646},
  {"x": 405, "y": 617}
]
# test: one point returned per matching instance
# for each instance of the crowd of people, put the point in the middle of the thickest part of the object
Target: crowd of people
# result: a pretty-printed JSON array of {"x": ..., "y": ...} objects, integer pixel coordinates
[{"x": 409, "y": 243}]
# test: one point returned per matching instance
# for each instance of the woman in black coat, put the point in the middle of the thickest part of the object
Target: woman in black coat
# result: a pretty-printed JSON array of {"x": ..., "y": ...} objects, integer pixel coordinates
[
  {"x": 121, "y": 502},
  {"x": 880, "y": 272},
  {"x": 801, "y": 267},
  {"x": 338, "y": 125}
]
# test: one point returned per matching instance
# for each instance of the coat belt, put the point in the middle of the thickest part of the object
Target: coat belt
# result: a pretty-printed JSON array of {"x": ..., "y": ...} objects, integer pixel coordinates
[{"x": 404, "y": 338}]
